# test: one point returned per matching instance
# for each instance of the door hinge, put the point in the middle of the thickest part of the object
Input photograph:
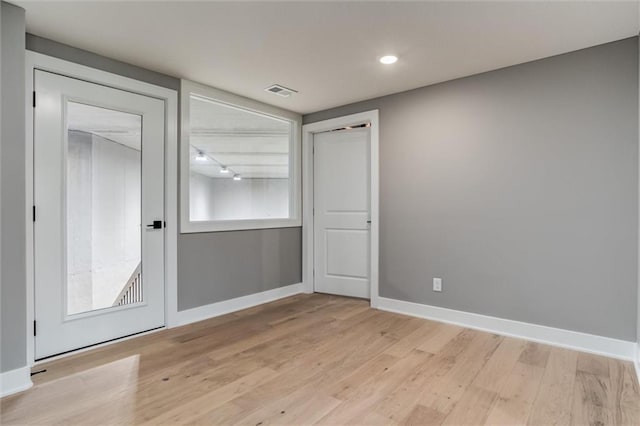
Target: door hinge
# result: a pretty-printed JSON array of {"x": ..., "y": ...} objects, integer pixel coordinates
[
  {"x": 34, "y": 327},
  {"x": 34, "y": 213},
  {"x": 34, "y": 98}
]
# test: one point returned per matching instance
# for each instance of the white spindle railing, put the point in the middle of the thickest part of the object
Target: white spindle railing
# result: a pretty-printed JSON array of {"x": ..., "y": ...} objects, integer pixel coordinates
[{"x": 132, "y": 291}]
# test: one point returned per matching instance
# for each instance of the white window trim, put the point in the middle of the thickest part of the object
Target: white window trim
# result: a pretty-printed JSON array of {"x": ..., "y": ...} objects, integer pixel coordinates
[{"x": 186, "y": 225}]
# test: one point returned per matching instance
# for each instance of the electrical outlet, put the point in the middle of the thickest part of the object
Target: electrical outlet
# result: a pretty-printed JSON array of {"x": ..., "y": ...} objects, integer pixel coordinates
[{"x": 437, "y": 284}]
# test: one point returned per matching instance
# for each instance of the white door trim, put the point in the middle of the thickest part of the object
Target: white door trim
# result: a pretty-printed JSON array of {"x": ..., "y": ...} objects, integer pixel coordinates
[
  {"x": 307, "y": 194},
  {"x": 34, "y": 61}
]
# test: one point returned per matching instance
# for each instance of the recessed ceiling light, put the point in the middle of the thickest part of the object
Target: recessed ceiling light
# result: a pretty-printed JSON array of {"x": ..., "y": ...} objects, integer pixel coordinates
[
  {"x": 388, "y": 59},
  {"x": 237, "y": 177},
  {"x": 201, "y": 156},
  {"x": 224, "y": 169}
]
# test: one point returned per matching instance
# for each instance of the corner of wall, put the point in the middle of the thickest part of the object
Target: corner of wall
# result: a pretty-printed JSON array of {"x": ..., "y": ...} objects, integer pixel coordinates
[
  {"x": 13, "y": 332},
  {"x": 15, "y": 381},
  {"x": 636, "y": 360}
]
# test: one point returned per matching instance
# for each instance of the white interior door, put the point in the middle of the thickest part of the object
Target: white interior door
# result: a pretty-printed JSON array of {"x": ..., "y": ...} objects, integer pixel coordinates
[
  {"x": 341, "y": 212},
  {"x": 98, "y": 184}
]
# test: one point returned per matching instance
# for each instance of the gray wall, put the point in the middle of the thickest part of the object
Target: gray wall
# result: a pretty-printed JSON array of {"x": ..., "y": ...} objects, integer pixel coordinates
[
  {"x": 252, "y": 261},
  {"x": 218, "y": 266},
  {"x": 211, "y": 266},
  {"x": 518, "y": 187},
  {"x": 13, "y": 316},
  {"x": 90, "y": 59}
]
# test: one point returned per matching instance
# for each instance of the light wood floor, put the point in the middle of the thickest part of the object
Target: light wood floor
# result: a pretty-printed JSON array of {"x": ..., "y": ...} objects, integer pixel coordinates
[{"x": 317, "y": 359}]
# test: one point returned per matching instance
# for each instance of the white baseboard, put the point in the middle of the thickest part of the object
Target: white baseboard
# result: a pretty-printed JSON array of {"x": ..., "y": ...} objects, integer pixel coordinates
[
  {"x": 15, "y": 381},
  {"x": 636, "y": 361},
  {"x": 227, "y": 306},
  {"x": 621, "y": 349}
]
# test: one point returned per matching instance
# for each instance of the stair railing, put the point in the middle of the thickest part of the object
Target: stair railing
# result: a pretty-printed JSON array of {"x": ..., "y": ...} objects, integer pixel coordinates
[{"x": 132, "y": 291}]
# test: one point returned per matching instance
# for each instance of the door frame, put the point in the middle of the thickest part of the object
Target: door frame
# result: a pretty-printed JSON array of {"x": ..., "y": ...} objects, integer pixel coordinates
[
  {"x": 43, "y": 62},
  {"x": 308, "y": 130}
]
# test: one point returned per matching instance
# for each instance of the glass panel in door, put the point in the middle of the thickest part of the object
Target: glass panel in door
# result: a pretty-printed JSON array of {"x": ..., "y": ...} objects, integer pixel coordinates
[{"x": 103, "y": 208}]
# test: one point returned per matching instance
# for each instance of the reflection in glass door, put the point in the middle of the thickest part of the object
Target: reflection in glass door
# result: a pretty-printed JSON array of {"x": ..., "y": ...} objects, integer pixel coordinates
[
  {"x": 99, "y": 249},
  {"x": 103, "y": 208}
]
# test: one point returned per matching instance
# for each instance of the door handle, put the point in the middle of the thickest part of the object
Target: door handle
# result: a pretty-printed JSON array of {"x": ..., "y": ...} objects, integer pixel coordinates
[
  {"x": 369, "y": 222},
  {"x": 157, "y": 224}
]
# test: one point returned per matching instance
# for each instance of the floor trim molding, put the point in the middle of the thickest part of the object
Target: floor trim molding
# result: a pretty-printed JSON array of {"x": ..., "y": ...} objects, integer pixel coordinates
[
  {"x": 583, "y": 342},
  {"x": 636, "y": 361},
  {"x": 14, "y": 381},
  {"x": 232, "y": 305}
]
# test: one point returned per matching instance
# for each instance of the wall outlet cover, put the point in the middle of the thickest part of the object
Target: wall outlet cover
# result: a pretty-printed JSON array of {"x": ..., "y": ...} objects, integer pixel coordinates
[{"x": 437, "y": 284}]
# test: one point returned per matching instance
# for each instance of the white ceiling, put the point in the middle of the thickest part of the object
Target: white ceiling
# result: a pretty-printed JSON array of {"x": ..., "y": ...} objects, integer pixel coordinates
[
  {"x": 328, "y": 50},
  {"x": 121, "y": 127},
  {"x": 248, "y": 144}
]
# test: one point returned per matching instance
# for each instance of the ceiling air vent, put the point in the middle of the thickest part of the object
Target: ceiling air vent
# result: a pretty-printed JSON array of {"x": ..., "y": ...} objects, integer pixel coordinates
[{"x": 280, "y": 90}]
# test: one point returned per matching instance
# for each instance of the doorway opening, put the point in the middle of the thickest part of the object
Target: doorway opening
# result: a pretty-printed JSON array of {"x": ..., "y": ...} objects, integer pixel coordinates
[{"x": 340, "y": 227}]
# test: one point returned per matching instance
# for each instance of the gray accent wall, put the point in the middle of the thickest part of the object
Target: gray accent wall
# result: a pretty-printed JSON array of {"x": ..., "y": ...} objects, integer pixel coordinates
[
  {"x": 13, "y": 317},
  {"x": 216, "y": 266},
  {"x": 93, "y": 60},
  {"x": 517, "y": 187}
]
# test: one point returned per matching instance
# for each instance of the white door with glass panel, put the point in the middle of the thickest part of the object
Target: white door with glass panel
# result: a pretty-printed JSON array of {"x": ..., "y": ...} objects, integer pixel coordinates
[
  {"x": 341, "y": 212},
  {"x": 98, "y": 214}
]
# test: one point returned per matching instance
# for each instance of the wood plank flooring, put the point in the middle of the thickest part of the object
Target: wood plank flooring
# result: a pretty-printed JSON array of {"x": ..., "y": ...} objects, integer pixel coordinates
[{"x": 319, "y": 359}]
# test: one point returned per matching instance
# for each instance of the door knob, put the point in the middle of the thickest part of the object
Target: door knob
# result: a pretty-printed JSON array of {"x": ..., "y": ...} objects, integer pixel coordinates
[{"x": 157, "y": 224}]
